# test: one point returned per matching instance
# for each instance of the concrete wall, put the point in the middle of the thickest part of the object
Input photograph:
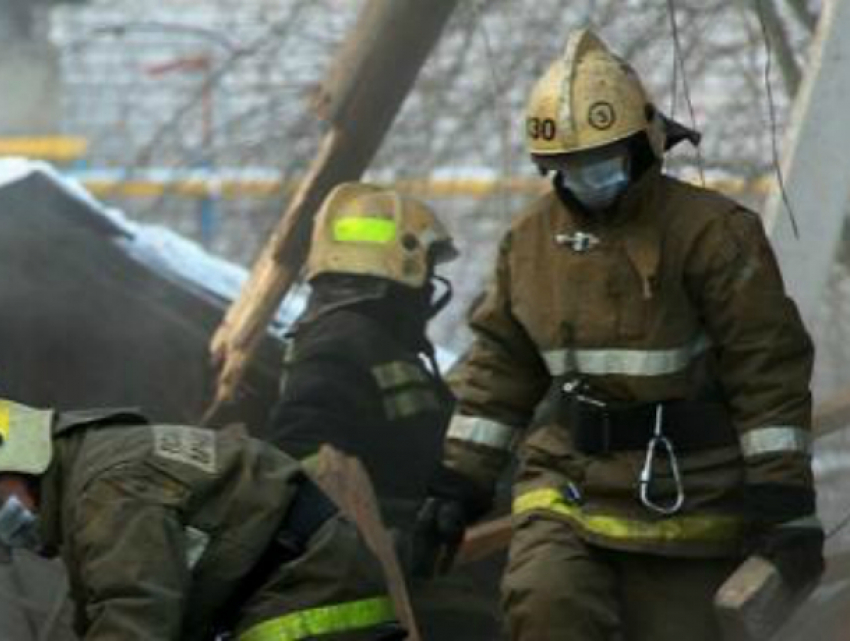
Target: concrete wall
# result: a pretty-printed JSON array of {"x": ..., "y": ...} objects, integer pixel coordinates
[{"x": 29, "y": 71}]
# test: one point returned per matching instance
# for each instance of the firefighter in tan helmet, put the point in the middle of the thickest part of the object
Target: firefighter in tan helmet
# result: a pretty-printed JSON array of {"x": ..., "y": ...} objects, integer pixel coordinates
[
  {"x": 353, "y": 376},
  {"x": 178, "y": 533},
  {"x": 360, "y": 371},
  {"x": 637, "y": 352}
]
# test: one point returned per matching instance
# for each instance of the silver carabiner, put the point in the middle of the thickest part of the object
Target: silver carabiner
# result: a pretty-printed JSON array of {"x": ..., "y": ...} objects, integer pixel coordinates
[{"x": 648, "y": 472}]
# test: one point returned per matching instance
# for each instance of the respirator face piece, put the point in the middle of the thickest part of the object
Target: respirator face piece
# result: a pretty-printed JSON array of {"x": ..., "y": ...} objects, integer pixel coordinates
[{"x": 596, "y": 182}]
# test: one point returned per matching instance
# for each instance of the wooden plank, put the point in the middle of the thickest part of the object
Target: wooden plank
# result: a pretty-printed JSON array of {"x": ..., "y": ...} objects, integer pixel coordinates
[
  {"x": 832, "y": 415},
  {"x": 815, "y": 168},
  {"x": 348, "y": 484},
  {"x": 372, "y": 75},
  {"x": 484, "y": 540}
]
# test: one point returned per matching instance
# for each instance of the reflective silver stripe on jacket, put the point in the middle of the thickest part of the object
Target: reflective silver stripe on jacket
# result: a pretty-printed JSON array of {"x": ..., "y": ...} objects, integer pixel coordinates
[
  {"x": 482, "y": 431},
  {"x": 628, "y": 362},
  {"x": 398, "y": 373},
  {"x": 401, "y": 404},
  {"x": 775, "y": 439}
]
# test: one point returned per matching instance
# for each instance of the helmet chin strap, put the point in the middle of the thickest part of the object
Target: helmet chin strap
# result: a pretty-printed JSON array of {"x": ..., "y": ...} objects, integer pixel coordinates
[{"x": 439, "y": 304}]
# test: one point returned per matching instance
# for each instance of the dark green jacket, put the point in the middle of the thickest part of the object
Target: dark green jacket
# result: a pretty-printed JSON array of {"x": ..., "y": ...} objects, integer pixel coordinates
[{"x": 158, "y": 525}]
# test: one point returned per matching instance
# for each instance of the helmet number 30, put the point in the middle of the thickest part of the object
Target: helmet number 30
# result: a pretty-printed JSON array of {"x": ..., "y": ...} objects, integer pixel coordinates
[{"x": 541, "y": 128}]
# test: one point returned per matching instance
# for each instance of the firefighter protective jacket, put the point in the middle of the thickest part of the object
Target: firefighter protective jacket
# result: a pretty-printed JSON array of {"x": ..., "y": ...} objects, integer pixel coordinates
[
  {"x": 676, "y": 295},
  {"x": 159, "y": 525},
  {"x": 353, "y": 380}
]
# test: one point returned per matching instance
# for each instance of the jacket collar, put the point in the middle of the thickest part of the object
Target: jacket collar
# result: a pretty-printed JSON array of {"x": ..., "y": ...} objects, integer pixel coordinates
[{"x": 636, "y": 202}]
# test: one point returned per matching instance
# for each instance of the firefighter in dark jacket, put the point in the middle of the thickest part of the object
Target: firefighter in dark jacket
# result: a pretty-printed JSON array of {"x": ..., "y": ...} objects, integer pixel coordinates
[
  {"x": 360, "y": 372},
  {"x": 639, "y": 325},
  {"x": 179, "y": 533}
]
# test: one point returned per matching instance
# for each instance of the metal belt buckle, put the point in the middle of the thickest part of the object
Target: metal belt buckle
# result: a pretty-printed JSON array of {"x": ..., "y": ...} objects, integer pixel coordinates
[
  {"x": 589, "y": 406},
  {"x": 659, "y": 440},
  {"x": 580, "y": 242}
]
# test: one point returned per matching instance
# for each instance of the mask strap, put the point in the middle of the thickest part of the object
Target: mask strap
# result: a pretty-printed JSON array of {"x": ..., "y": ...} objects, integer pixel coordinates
[{"x": 443, "y": 299}]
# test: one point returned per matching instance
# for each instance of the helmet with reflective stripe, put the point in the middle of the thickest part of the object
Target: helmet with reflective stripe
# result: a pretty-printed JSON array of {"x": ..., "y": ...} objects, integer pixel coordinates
[
  {"x": 374, "y": 231},
  {"x": 589, "y": 98},
  {"x": 26, "y": 445}
]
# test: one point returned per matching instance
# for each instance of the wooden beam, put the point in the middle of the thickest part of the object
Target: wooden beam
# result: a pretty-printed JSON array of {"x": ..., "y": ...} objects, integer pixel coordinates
[
  {"x": 815, "y": 167},
  {"x": 832, "y": 415},
  {"x": 372, "y": 74},
  {"x": 344, "y": 479},
  {"x": 485, "y": 539}
]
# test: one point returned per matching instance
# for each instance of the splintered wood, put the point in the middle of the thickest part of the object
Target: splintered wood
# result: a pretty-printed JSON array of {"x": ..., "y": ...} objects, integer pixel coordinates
[{"x": 346, "y": 482}]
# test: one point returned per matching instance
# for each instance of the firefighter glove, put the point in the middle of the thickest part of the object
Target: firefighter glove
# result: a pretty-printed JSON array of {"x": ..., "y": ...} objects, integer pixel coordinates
[
  {"x": 796, "y": 549},
  {"x": 454, "y": 501},
  {"x": 437, "y": 535},
  {"x": 789, "y": 535}
]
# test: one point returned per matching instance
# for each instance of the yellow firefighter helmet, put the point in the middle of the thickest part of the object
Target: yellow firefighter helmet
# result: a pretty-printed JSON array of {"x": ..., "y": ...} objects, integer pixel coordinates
[
  {"x": 26, "y": 445},
  {"x": 374, "y": 231},
  {"x": 589, "y": 98}
]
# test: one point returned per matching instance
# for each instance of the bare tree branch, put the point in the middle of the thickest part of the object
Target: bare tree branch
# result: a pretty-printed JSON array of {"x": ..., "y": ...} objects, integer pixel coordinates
[
  {"x": 765, "y": 11},
  {"x": 804, "y": 15}
]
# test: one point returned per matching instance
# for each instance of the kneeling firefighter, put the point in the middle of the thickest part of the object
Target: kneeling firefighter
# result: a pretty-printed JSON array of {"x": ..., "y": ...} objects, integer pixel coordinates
[
  {"x": 639, "y": 325},
  {"x": 178, "y": 533}
]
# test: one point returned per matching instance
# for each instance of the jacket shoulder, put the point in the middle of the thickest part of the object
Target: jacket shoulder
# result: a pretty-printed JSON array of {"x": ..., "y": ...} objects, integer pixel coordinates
[
  {"x": 699, "y": 205},
  {"x": 535, "y": 213},
  {"x": 100, "y": 417},
  {"x": 533, "y": 223},
  {"x": 341, "y": 334}
]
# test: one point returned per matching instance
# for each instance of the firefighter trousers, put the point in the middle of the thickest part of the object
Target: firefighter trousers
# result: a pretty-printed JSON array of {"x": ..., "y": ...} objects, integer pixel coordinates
[{"x": 557, "y": 587}]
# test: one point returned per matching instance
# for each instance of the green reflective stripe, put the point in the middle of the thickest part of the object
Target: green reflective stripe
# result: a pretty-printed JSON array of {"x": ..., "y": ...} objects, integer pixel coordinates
[
  {"x": 398, "y": 373},
  {"x": 362, "y": 229},
  {"x": 628, "y": 362},
  {"x": 775, "y": 439},
  {"x": 711, "y": 528},
  {"x": 344, "y": 617},
  {"x": 406, "y": 403}
]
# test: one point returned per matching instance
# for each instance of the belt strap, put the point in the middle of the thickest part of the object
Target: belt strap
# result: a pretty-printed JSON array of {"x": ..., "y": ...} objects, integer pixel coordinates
[
  {"x": 309, "y": 511},
  {"x": 690, "y": 425}
]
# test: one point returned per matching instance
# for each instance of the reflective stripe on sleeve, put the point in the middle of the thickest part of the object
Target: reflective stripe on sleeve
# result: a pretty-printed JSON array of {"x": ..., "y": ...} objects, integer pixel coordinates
[
  {"x": 708, "y": 528},
  {"x": 307, "y": 624},
  {"x": 482, "y": 431},
  {"x": 775, "y": 439},
  {"x": 398, "y": 374},
  {"x": 628, "y": 362},
  {"x": 410, "y": 402}
]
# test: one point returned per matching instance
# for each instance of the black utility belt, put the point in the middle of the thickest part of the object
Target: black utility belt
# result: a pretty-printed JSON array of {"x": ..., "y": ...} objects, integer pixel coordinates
[
  {"x": 599, "y": 428},
  {"x": 309, "y": 511}
]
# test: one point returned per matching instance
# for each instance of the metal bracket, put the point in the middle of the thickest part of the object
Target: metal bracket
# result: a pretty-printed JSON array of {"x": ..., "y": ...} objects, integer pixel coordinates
[{"x": 580, "y": 242}]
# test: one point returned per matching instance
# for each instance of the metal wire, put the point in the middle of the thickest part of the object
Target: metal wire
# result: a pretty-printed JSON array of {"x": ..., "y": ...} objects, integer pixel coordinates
[
  {"x": 771, "y": 105},
  {"x": 502, "y": 111},
  {"x": 838, "y": 527},
  {"x": 679, "y": 65}
]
